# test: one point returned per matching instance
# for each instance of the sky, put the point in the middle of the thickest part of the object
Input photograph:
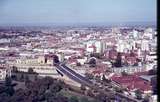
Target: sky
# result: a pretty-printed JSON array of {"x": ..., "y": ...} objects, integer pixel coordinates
[{"x": 76, "y": 11}]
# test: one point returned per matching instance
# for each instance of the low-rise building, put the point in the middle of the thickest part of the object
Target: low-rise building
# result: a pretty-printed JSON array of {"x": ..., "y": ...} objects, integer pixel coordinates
[
  {"x": 4, "y": 72},
  {"x": 129, "y": 69},
  {"x": 133, "y": 82}
]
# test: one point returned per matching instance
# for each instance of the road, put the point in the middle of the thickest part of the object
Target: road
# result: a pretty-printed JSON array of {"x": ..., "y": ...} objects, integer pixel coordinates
[
  {"x": 73, "y": 75},
  {"x": 84, "y": 81}
]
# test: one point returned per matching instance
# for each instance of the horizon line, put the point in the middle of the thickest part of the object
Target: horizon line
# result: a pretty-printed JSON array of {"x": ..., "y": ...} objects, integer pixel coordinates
[{"x": 130, "y": 23}]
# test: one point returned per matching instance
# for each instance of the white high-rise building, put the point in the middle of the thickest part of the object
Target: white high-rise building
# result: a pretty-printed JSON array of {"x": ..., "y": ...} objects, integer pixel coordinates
[
  {"x": 139, "y": 53},
  {"x": 123, "y": 46},
  {"x": 96, "y": 46},
  {"x": 100, "y": 46},
  {"x": 60, "y": 56},
  {"x": 89, "y": 46},
  {"x": 135, "y": 33},
  {"x": 144, "y": 45},
  {"x": 148, "y": 33},
  {"x": 149, "y": 30}
]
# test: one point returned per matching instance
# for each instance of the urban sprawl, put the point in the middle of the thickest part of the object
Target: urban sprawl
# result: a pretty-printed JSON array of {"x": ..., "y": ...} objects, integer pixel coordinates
[{"x": 119, "y": 63}]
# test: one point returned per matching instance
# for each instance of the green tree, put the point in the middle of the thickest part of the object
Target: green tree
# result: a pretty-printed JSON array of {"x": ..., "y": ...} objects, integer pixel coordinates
[
  {"x": 104, "y": 78},
  {"x": 146, "y": 98},
  {"x": 83, "y": 88},
  {"x": 89, "y": 76},
  {"x": 96, "y": 55},
  {"x": 92, "y": 62},
  {"x": 118, "y": 90},
  {"x": 84, "y": 99},
  {"x": 27, "y": 80},
  {"x": 30, "y": 71},
  {"x": 90, "y": 93},
  {"x": 35, "y": 77},
  {"x": 138, "y": 94},
  {"x": 55, "y": 87},
  {"x": 8, "y": 86},
  {"x": 118, "y": 62},
  {"x": 124, "y": 73},
  {"x": 73, "y": 99},
  {"x": 78, "y": 64},
  {"x": 154, "y": 84},
  {"x": 152, "y": 72},
  {"x": 8, "y": 81},
  {"x": 101, "y": 97},
  {"x": 22, "y": 77}
]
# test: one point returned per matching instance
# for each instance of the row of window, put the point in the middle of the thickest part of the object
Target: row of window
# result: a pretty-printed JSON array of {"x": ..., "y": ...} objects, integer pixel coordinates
[{"x": 129, "y": 70}]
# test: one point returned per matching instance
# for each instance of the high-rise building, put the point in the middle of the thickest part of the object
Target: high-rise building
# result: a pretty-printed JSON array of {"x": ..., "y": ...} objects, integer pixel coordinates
[
  {"x": 100, "y": 46},
  {"x": 144, "y": 45}
]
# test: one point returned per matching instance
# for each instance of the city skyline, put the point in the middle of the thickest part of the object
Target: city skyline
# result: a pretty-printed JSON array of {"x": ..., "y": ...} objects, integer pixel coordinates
[{"x": 61, "y": 12}]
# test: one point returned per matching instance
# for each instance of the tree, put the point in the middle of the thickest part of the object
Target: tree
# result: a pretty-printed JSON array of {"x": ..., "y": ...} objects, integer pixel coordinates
[
  {"x": 98, "y": 78},
  {"x": 154, "y": 84},
  {"x": 8, "y": 86},
  {"x": 8, "y": 81},
  {"x": 90, "y": 93},
  {"x": 22, "y": 77},
  {"x": 84, "y": 99},
  {"x": 118, "y": 62},
  {"x": 30, "y": 71},
  {"x": 146, "y": 98},
  {"x": 135, "y": 64},
  {"x": 18, "y": 96},
  {"x": 104, "y": 78},
  {"x": 48, "y": 94},
  {"x": 37, "y": 91},
  {"x": 27, "y": 80},
  {"x": 55, "y": 87},
  {"x": 96, "y": 55},
  {"x": 138, "y": 94},
  {"x": 47, "y": 81},
  {"x": 152, "y": 72},
  {"x": 5, "y": 97},
  {"x": 73, "y": 99},
  {"x": 56, "y": 59},
  {"x": 89, "y": 76},
  {"x": 124, "y": 73},
  {"x": 83, "y": 88},
  {"x": 101, "y": 97},
  {"x": 60, "y": 98},
  {"x": 118, "y": 90},
  {"x": 92, "y": 62},
  {"x": 123, "y": 100},
  {"x": 35, "y": 77},
  {"x": 78, "y": 64}
]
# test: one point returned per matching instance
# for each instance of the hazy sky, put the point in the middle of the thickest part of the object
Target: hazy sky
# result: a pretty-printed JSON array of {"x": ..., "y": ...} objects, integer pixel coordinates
[{"x": 76, "y": 11}]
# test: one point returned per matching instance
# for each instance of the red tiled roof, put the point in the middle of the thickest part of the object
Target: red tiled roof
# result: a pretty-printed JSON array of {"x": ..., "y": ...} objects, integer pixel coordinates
[
  {"x": 97, "y": 72},
  {"x": 132, "y": 82},
  {"x": 72, "y": 60},
  {"x": 92, "y": 46},
  {"x": 141, "y": 73}
]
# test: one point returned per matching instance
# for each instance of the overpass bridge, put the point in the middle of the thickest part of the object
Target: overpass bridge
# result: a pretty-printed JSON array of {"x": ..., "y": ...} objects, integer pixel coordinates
[{"x": 71, "y": 74}]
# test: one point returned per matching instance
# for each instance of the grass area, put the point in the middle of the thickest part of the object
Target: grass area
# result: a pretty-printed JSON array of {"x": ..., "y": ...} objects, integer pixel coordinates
[
  {"x": 69, "y": 94},
  {"x": 19, "y": 85}
]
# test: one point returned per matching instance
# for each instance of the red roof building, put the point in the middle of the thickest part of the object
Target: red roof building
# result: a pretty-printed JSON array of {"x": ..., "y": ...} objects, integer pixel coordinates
[{"x": 132, "y": 82}]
